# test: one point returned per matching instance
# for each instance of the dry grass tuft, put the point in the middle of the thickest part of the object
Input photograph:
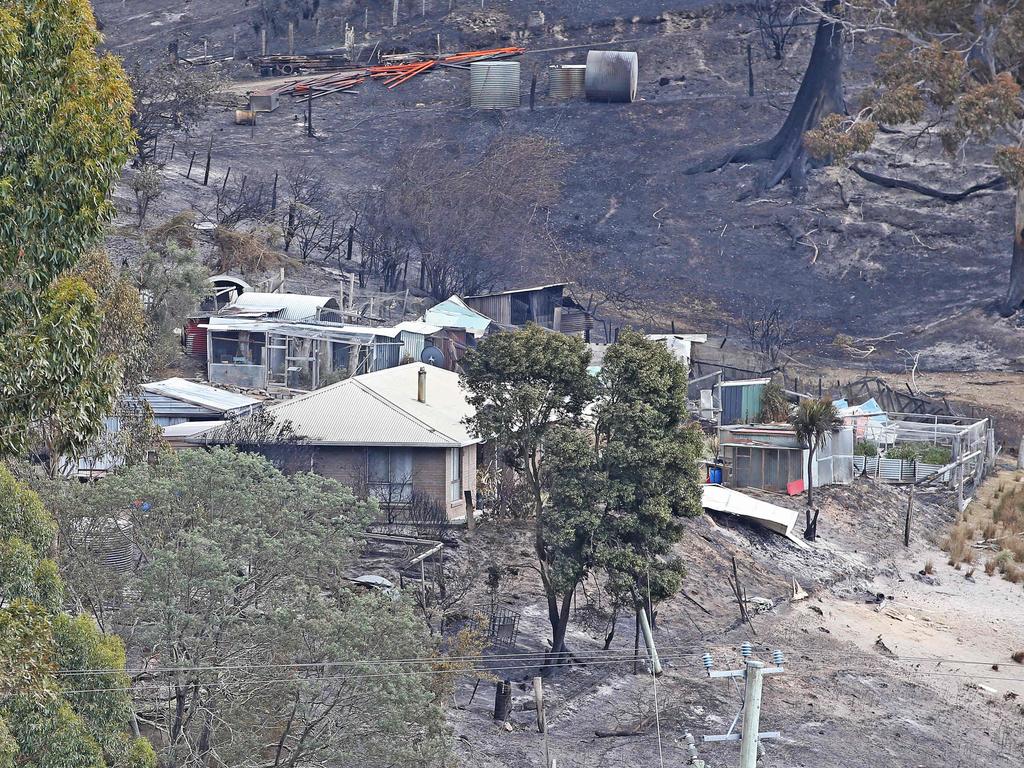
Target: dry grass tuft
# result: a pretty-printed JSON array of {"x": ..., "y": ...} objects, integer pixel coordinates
[
  {"x": 929, "y": 567},
  {"x": 246, "y": 252},
  {"x": 957, "y": 544},
  {"x": 990, "y": 566},
  {"x": 178, "y": 229},
  {"x": 1012, "y": 573}
]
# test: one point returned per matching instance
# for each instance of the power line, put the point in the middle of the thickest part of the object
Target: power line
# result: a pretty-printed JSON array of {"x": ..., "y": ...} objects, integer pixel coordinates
[
  {"x": 489, "y": 670},
  {"x": 527, "y": 657}
]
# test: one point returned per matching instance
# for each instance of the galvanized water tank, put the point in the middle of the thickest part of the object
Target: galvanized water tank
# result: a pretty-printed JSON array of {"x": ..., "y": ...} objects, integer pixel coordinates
[
  {"x": 566, "y": 81},
  {"x": 612, "y": 75},
  {"x": 108, "y": 540},
  {"x": 494, "y": 84}
]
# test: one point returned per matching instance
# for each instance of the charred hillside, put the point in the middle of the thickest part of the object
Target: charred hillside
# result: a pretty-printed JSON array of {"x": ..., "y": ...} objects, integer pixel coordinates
[{"x": 853, "y": 263}]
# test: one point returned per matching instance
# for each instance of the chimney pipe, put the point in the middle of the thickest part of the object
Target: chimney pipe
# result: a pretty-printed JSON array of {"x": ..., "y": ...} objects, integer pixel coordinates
[{"x": 421, "y": 389}]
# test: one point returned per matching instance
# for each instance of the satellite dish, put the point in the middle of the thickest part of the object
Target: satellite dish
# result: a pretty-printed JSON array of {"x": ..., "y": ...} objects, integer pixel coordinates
[{"x": 432, "y": 356}]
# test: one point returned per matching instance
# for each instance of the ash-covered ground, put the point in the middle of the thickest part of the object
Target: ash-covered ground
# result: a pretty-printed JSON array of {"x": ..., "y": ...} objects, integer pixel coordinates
[
  {"x": 856, "y": 692},
  {"x": 921, "y": 275}
]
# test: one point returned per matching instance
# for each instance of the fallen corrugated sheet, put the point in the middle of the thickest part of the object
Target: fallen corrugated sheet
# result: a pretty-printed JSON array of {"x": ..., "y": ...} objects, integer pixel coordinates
[{"x": 779, "y": 519}]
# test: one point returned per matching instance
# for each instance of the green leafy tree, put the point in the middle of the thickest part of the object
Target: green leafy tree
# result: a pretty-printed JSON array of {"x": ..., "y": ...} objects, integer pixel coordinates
[
  {"x": 63, "y": 367},
  {"x": 813, "y": 421},
  {"x": 522, "y": 386},
  {"x": 242, "y": 601},
  {"x": 64, "y": 136},
  {"x": 116, "y": 361},
  {"x": 649, "y": 452},
  {"x": 62, "y": 682},
  {"x": 611, "y": 497},
  {"x": 171, "y": 280},
  {"x": 571, "y": 525}
]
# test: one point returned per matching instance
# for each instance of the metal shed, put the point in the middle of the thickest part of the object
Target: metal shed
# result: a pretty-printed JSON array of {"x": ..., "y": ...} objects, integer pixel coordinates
[
  {"x": 741, "y": 400},
  {"x": 769, "y": 457}
]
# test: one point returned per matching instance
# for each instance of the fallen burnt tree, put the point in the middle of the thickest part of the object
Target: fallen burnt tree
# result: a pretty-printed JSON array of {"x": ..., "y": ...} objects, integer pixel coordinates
[
  {"x": 996, "y": 182},
  {"x": 1015, "y": 289},
  {"x": 820, "y": 94}
]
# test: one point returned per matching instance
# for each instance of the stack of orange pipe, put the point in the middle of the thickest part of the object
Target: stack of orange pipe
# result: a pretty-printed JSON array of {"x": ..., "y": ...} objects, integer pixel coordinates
[
  {"x": 491, "y": 53},
  {"x": 396, "y": 74}
]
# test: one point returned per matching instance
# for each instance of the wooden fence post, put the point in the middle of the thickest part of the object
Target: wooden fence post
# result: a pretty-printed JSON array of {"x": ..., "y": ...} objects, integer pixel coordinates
[
  {"x": 209, "y": 156},
  {"x": 909, "y": 518},
  {"x": 502, "y": 700}
]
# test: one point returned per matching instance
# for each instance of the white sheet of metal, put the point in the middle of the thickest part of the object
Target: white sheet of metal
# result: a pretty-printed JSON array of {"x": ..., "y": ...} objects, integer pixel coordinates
[{"x": 771, "y": 516}]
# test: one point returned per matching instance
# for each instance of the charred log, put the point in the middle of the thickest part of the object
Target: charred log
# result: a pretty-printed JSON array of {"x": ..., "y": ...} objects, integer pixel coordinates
[
  {"x": 996, "y": 182},
  {"x": 820, "y": 94},
  {"x": 1015, "y": 289}
]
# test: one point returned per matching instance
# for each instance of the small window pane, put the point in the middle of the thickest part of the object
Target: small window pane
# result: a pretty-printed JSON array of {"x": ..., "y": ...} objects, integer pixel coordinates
[{"x": 377, "y": 465}]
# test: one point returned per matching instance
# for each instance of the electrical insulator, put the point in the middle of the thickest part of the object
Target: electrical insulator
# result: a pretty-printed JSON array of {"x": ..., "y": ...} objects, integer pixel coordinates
[
  {"x": 708, "y": 661},
  {"x": 747, "y": 650},
  {"x": 778, "y": 658}
]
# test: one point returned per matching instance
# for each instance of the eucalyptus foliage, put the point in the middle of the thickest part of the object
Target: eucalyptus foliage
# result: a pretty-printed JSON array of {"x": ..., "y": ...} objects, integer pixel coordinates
[
  {"x": 242, "y": 597},
  {"x": 64, "y": 136},
  {"x": 55, "y": 710}
]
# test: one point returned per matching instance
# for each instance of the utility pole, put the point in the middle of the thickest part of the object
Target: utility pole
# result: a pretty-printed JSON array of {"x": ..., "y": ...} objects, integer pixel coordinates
[
  {"x": 751, "y": 713},
  {"x": 645, "y": 627},
  {"x": 753, "y": 674}
]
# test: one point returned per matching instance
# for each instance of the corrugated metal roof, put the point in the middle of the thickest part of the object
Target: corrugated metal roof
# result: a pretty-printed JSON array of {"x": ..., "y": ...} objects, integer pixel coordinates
[
  {"x": 284, "y": 306},
  {"x": 518, "y": 290},
  {"x": 163, "y": 406},
  {"x": 381, "y": 408},
  {"x": 212, "y": 399},
  {"x": 453, "y": 313},
  {"x": 352, "y": 333},
  {"x": 417, "y": 326}
]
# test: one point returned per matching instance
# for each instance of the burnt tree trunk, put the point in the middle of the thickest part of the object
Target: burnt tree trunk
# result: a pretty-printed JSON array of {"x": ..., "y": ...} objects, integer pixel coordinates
[
  {"x": 810, "y": 478},
  {"x": 820, "y": 94},
  {"x": 1015, "y": 292}
]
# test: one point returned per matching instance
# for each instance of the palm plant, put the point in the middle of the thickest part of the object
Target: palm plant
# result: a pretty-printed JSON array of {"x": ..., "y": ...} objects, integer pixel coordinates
[{"x": 813, "y": 421}]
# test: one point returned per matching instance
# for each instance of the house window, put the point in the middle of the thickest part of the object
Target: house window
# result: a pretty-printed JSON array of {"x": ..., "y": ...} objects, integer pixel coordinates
[
  {"x": 455, "y": 474},
  {"x": 389, "y": 474}
]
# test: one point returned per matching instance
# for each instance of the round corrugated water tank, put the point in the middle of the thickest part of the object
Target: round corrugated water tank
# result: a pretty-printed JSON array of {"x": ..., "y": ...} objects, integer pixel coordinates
[
  {"x": 494, "y": 84},
  {"x": 612, "y": 76},
  {"x": 108, "y": 540},
  {"x": 566, "y": 81}
]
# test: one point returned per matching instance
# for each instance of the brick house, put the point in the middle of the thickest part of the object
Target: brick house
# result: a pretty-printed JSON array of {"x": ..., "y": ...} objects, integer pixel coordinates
[{"x": 396, "y": 435}]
